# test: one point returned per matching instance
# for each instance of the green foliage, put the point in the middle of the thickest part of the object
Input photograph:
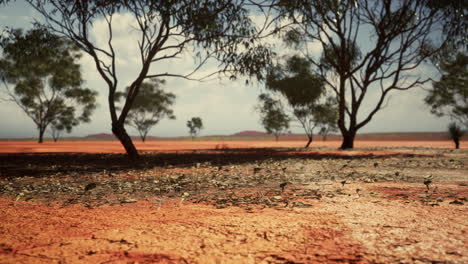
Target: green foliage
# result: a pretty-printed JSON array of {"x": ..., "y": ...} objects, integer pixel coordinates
[
  {"x": 151, "y": 105},
  {"x": 272, "y": 115},
  {"x": 46, "y": 77},
  {"x": 219, "y": 31},
  {"x": 304, "y": 91},
  {"x": 195, "y": 125},
  {"x": 449, "y": 95},
  {"x": 295, "y": 81},
  {"x": 400, "y": 36},
  {"x": 337, "y": 58}
]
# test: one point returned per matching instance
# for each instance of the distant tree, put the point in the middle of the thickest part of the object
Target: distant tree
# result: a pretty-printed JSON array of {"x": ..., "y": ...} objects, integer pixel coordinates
[
  {"x": 65, "y": 122},
  {"x": 327, "y": 116},
  {"x": 370, "y": 49},
  {"x": 220, "y": 32},
  {"x": 151, "y": 105},
  {"x": 195, "y": 125},
  {"x": 55, "y": 131},
  {"x": 326, "y": 129},
  {"x": 304, "y": 92},
  {"x": 449, "y": 95},
  {"x": 46, "y": 77},
  {"x": 272, "y": 116},
  {"x": 456, "y": 133}
]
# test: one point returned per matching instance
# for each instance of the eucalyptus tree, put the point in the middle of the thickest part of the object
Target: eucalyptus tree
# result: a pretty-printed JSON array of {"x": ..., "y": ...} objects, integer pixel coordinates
[
  {"x": 272, "y": 115},
  {"x": 151, "y": 105},
  {"x": 449, "y": 94},
  {"x": 305, "y": 93},
  {"x": 46, "y": 81},
  {"x": 194, "y": 125},
  {"x": 370, "y": 49},
  {"x": 218, "y": 31}
]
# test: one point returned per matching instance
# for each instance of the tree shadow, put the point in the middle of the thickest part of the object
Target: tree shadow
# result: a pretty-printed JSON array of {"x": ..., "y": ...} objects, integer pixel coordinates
[{"x": 45, "y": 164}]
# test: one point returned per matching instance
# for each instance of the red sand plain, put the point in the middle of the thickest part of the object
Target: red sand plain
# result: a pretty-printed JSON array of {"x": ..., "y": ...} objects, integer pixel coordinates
[
  {"x": 364, "y": 227},
  {"x": 164, "y": 146}
]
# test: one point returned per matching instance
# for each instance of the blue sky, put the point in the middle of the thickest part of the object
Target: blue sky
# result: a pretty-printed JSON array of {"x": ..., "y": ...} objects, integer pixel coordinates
[{"x": 226, "y": 107}]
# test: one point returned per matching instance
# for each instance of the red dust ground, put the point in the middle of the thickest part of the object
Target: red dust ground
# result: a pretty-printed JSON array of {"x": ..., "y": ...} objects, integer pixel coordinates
[
  {"x": 152, "y": 146},
  {"x": 384, "y": 222}
]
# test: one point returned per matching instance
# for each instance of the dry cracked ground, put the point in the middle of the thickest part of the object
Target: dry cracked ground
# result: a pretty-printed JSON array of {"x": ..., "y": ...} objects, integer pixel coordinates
[{"x": 392, "y": 205}]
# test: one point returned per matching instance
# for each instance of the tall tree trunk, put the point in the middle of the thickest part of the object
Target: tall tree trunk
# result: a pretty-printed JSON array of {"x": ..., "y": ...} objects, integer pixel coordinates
[
  {"x": 119, "y": 131},
  {"x": 309, "y": 141},
  {"x": 41, "y": 135},
  {"x": 348, "y": 139},
  {"x": 457, "y": 143},
  {"x": 143, "y": 135},
  {"x": 276, "y": 137}
]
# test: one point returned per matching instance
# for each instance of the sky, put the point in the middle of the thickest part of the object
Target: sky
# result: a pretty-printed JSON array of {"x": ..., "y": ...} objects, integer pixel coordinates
[{"x": 226, "y": 107}]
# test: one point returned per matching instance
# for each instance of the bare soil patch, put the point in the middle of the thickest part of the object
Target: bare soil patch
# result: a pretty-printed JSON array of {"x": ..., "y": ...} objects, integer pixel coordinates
[
  {"x": 234, "y": 205},
  {"x": 173, "y": 146}
]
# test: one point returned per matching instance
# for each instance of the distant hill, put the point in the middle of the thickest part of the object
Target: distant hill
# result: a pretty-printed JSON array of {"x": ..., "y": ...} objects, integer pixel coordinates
[
  {"x": 108, "y": 136},
  {"x": 405, "y": 136},
  {"x": 101, "y": 136},
  {"x": 249, "y": 133},
  {"x": 259, "y": 135}
]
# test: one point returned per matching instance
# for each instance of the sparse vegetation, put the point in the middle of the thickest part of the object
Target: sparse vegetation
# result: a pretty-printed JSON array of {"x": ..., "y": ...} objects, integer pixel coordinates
[
  {"x": 272, "y": 116},
  {"x": 449, "y": 95},
  {"x": 46, "y": 78},
  {"x": 194, "y": 125},
  {"x": 220, "y": 31},
  {"x": 151, "y": 105},
  {"x": 305, "y": 94},
  {"x": 404, "y": 35},
  {"x": 245, "y": 201}
]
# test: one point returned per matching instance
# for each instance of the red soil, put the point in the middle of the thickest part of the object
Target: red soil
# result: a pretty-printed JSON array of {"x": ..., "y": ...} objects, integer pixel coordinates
[
  {"x": 373, "y": 226},
  {"x": 155, "y": 146}
]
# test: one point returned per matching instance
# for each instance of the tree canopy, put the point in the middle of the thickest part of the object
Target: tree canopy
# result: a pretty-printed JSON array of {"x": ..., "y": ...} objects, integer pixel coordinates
[
  {"x": 219, "y": 31},
  {"x": 194, "y": 125},
  {"x": 151, "y": 105},
  {"x": 272, "y": 115},
  {"x": 368, "y": 47},
  {"x": 305, "y": 93},
  {"x": 46, "y": 79},
  {"x": 449, "y": 95}
]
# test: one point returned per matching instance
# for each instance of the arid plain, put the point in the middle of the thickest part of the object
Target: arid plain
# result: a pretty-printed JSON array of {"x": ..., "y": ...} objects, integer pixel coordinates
[{"x": 233, "y": 202}]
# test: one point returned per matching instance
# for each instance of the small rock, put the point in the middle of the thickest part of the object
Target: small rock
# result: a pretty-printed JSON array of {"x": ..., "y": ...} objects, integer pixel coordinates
[
  {"x": 277, "y": 198},
  {"x": 456, "y": 202},
  {"x": 302, "y": 204},
  {"x": 90, "y": 186},
  {"x": 221, "y": 206},
  {"x": 126, "y": 200}
]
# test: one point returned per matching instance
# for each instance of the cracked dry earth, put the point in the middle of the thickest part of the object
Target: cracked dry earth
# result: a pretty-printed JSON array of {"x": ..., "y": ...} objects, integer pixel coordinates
[{"x": 393, "y": 205}]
